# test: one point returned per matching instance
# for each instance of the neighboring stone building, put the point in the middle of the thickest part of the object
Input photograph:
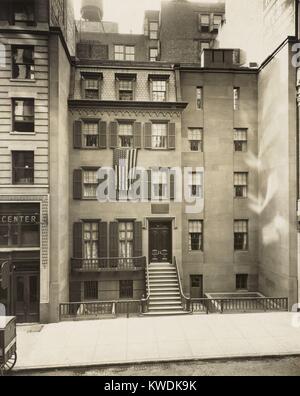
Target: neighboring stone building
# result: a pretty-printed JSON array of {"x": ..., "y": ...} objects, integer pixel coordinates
[{"x": 79, "y": 97}]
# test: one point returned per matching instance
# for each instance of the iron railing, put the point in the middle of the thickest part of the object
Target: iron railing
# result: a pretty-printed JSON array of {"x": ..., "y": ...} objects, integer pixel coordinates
[
  {"x": 245, "y": 304},
  {"x": 98, "y": 309},
  {"x": 109, "y": 264},
  {"x": 185, "y": 301}
]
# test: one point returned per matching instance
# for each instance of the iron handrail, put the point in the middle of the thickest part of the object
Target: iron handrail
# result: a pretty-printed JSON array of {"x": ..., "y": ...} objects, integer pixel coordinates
[{"x": 184, "y": 298}]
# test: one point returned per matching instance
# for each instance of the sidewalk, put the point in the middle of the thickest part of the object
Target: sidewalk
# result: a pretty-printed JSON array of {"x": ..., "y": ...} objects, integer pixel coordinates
[{"x": 153, "y": 339}]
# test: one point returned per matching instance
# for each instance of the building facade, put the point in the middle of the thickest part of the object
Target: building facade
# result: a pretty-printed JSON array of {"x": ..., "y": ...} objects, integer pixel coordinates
[{"x": 188, "y": 104}]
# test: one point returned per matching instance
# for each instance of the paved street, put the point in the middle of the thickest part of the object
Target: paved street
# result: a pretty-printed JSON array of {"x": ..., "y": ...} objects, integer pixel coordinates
[
  {"x": 289, "y": 366},
  {"x": 156, "y": 339}
]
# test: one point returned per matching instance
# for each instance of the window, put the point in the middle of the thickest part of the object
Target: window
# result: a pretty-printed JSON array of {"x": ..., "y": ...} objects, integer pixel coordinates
[
  {"x": 240, "y": 140},
  {"x": 90, "y": 184},
  {"x": 126, "y": 89},
  {"x": 241, "y": 235},
  {"x": 125, "y": 289},
  {"x": 241, "y": 282},
  {"x": 195, "y": 136},
  {"x": 153, "y": 30},
  {"x": 195, "y": 184},
  {"x": 23, "y": 12},
  {"x": 25, "y": 235},
  {"x": 126, "y": 239},
  {"x": 123, "y": 52},
  {"x": 91, "y": 87},
  {"x": 90, "y": 134},
  {"x": 195, "y": 235},
  {"x": 90, "y": 240},
  {"x": 23, "y": 63},
  {"x": 236, "y": 98},
  {"x": 153, "y": 54},
  {"x": 217, "y": 21},
  {"x": 240, "y": 185},
  {"x": 160, "y": 184},
  {"x": 159, "y": 136},
  {"x": 159, "y": 90},
  {"x": 199, "y": 98},
  {"x": 23, "y": 167},
  {"x": 23, "y": 115},
  {"x": 204, "y": 22},
  {"x": 126, "y": 135},
  {"x": 90, "y": 290}
]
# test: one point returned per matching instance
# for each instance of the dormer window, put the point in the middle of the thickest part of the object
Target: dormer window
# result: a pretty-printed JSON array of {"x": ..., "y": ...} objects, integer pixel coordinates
[
  {"x": 23, "y": 12},
  {"x": 91, "y": 85},
  {"x": 159, "y": 87},
  {"x": 125, "y": 86}
]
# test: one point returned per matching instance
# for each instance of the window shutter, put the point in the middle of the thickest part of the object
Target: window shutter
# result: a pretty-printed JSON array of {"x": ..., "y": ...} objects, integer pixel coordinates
[
  {"x": 75, "y": 291},
  {"x": 113, "y": 134},
  {"x": 77, "y": 240},
  {"x": 102, "y": 240},
  {"x": 148, "y": 135},
  {"x": 77, "y": 134},
  {"x": 137, "y": 239},
  {"x": 102, "y": 135},
  {"x": 77, "y": 184},
  {"x": 42, "y": 11},
  {"x": 82, "y": 87},
  {"x": 172, "y": 136},
  {"x": 114, "y": 239},
  {"x": 117, "y": 86},
  {"x": 137, "y": 135},
  {"x": 172, "y": 187}
]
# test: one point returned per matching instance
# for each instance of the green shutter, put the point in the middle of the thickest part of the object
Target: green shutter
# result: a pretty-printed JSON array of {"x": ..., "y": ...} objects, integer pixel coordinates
[
  {"x": 113, "y": 134},
  {"x": 148, "y": 135},
  {"x": 137, "y": 239},
  {"x": 102, "y": 135},
  {"x": 172, "y": 136},
  {"x": 114, "y": 239},
  {"x": 77, "y": 240},
  {"x": 77, "y": 134},
  {"x": 137, "y": 135},
  {"x": 77, "y": 184}
]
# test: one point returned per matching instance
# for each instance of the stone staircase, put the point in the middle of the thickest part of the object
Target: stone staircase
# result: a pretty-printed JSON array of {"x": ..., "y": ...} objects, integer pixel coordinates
[{"x": 165, "y": 298}]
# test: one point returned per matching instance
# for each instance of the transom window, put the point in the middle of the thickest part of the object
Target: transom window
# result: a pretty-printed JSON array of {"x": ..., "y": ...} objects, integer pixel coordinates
[
  {"x": 240, "y": 184},
  {"x": 126, "y": 135},
  {"x": 153, "y": 30},
  {"x": 159, "y": 90},
  {"x": 196, "y": 184},
  {"x": 125, "y": 52},
  {"x": 126, "y": 239},
  {"x": 195, "y": 136},
  {"x": 159, "y": 136},
  {"x": 195, "y": 235},
  {"x": 23, "y": 63},
  {"x": 90, "y": 240},
  {"x": 241, "y": 235},
  {"x": 90, "y": 184},
  {"x": 23, "y": 12},
  {"x": 240, "y": 140},
  {"x": 23, "y": 115},
  {"x": 126, "y": 89},
  {"x": 125, "y": 289},
  {"x": 23, "y": 167},
  {"x": 90, "y": 134}
]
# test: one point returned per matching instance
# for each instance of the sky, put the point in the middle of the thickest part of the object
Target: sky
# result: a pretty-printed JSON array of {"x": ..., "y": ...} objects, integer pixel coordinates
[{"x": 129, "y": 14}]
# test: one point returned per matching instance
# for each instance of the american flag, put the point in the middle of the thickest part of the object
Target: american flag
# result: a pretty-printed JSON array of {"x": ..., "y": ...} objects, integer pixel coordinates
[{"x": 124, "y": 160}]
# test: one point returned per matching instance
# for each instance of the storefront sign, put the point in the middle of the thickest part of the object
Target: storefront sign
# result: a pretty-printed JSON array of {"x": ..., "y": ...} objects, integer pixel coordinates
[{"x": 19, "y": 219}]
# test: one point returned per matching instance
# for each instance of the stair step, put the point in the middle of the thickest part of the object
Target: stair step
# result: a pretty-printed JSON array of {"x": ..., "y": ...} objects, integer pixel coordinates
[
  {"x": 164, "y": 280},
  {"x": 167, "y": 272},
  {"x": 167, "y": 308},
  {"x": 166, "y": 313},
  {"x": 165, "y": 294},
  {"x": 165, "y": 297},
  {"x": 152, "y": 277}
]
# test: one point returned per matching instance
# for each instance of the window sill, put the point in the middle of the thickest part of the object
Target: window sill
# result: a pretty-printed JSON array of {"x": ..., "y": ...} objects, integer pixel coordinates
[
  {"x": 23, "y": 80},
  {"x": 24, "y": 185},
  {"x": 23, "y": 133},
  {"x": 19, "y": 249}
]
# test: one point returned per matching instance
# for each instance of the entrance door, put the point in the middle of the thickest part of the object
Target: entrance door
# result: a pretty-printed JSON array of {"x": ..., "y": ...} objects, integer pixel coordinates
[
  {"x": 27, "y": 297},
  {"x": 196, "y": 286},
  {"x": 160, "y": 242}
]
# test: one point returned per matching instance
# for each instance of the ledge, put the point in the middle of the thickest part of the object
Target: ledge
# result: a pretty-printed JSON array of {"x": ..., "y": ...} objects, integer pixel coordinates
[{"x": 127, "y": 104}]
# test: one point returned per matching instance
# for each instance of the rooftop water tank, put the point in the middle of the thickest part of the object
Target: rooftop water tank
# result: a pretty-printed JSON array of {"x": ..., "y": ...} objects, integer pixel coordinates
[{"x": 92, "y": 10}]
